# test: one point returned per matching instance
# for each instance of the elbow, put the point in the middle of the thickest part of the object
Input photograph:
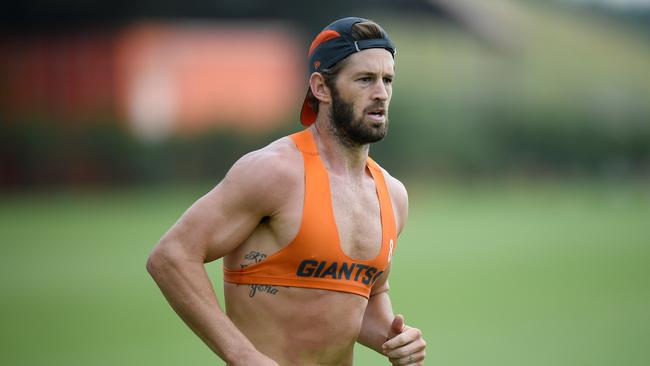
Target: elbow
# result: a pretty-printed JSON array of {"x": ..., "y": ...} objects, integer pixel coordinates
[
  {"x": 170, "y": 256},
  {"x": 159, "y": 259},
  {"x": 153, "y": 263}
]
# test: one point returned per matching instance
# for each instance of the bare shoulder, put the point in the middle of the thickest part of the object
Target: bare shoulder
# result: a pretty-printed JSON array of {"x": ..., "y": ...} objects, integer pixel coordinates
[
  {"x": 263, "y": 177},
  {"x": 278, "y": 160},
  {"x": 399, "y": 196}
]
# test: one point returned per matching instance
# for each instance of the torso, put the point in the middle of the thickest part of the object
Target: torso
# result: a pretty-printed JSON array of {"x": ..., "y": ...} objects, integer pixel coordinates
[{"x": 305, "y": 326}]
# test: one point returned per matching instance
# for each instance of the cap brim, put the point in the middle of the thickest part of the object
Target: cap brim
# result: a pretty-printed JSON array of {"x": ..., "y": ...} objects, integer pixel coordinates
[{"x": 307, "y": 114}]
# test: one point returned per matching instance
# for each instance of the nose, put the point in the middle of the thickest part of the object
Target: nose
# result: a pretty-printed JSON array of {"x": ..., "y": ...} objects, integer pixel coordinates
[{"x": 380, "y": 91}]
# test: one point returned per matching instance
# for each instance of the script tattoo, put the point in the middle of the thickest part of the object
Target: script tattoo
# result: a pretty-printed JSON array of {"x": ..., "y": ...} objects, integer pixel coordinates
[
  {"x": 252, "y": 258},
  {"x": 262, "y": 288}
]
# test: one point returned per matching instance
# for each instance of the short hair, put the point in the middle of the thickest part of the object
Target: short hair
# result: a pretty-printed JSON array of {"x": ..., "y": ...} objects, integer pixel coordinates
[{"x": 360, "y": 31}]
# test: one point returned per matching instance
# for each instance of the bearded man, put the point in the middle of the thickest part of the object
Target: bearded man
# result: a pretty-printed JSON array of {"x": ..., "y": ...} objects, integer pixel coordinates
[{"x": 306, "y": 226}]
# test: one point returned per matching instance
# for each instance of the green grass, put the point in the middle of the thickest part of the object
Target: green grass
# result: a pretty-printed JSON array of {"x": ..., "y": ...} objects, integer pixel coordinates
[{"x": 494, "y": 274}]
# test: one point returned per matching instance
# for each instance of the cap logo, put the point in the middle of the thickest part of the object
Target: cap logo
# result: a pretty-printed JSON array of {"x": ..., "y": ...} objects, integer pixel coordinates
[
  {"x": 316, "y": 64},
  {"x": 323, "y": 36}
]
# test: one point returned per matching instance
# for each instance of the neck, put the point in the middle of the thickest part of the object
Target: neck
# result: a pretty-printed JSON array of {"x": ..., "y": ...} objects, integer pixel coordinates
[{"x": 340, "y": 157}]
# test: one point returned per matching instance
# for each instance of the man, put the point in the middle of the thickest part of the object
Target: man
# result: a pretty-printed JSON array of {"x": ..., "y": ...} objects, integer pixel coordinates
[{"x": 306, "y": 227}]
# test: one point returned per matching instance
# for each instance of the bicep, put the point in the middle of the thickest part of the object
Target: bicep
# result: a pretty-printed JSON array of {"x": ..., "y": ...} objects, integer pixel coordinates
[
  {"x": 222, "y": 219},
  {"x": 213, "y": 226}
]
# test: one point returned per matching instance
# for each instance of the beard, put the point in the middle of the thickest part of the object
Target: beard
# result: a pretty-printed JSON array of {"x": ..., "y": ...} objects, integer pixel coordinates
[{"x": 353, "y": 131}]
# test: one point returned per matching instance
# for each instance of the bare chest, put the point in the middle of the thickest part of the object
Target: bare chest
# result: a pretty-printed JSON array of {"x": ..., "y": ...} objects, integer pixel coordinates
[{"x": 357, "y": 216}]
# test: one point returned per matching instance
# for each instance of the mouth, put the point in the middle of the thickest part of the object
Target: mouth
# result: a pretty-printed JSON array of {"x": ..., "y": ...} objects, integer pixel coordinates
[{"x": 377, "y": 114}]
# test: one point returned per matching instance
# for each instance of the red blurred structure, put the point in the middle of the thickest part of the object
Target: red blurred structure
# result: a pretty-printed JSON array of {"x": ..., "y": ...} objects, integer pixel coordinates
[{"x": 160, "y": 79}]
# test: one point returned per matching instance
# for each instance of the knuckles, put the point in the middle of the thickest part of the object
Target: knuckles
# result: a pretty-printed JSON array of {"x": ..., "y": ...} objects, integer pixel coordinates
[{"x": 399, "y": 356}]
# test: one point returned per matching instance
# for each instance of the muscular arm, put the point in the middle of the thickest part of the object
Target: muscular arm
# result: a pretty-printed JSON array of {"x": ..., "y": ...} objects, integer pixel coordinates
[
  {"x": 379, "y": 311},
  {"x": 381, "y": 330},
  {"x": 214, "y": 226},
  {"x": 184, "y": 282},
  {"x": 376, "y": 319}
]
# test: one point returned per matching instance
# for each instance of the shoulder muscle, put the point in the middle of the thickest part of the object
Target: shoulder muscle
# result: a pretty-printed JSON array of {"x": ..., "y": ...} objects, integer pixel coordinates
[
  {"x": 260, "y": 180},
  {"x": 256, "y": 186},
  {"x": 399, "y": 196}
]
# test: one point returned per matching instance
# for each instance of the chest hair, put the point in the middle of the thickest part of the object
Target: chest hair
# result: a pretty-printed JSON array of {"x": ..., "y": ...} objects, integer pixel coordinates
[{"x": 357, "y": 216}]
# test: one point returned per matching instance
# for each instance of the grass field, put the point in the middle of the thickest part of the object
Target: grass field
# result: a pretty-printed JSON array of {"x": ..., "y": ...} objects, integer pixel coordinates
[{"x": 494, "y": 274}]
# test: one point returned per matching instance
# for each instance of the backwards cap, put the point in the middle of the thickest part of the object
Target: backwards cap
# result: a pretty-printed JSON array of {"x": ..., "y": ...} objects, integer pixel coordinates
[{"x": 333, "y": 44}]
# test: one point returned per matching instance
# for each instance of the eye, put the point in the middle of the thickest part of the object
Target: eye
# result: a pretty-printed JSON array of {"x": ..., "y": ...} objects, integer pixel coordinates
[
  {"x": 388, "y": 81},
  {"x": 365, "y": 79}
]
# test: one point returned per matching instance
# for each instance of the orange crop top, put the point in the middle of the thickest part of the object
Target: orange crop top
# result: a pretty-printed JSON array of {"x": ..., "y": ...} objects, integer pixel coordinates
[{"x": 314, "y": 259}]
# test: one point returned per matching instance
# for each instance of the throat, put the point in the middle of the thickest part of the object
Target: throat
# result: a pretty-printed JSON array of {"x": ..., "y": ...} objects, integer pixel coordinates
[{"x": 341, "y": 156}]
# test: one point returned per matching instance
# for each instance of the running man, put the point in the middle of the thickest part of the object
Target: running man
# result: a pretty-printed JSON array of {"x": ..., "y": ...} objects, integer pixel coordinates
[{"x": 306, "y": 226}]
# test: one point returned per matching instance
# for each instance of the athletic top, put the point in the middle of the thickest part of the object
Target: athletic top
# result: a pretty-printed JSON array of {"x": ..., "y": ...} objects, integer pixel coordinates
[{"x": 314, "y": 259}]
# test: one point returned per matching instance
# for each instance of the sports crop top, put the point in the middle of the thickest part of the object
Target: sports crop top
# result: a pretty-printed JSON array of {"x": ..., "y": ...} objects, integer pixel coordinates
[{"x": 314, "y": 258}]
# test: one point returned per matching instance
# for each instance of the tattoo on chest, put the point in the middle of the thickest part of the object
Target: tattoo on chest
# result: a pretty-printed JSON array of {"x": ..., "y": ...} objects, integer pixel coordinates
[{"x": 252, "y": 258}]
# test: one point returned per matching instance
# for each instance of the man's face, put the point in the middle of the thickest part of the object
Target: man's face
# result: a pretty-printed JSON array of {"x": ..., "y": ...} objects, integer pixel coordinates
[{"x": 360, "y": 98}]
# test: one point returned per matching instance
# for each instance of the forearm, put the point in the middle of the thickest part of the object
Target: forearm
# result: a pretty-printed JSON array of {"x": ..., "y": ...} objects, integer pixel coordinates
[
  {"x": 376, "y": 321},
  {"x": 186, "y": 285}
]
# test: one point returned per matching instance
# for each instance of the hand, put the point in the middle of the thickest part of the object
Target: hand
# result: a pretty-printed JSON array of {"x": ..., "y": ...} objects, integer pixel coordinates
[{"x": 404, "y": 344}]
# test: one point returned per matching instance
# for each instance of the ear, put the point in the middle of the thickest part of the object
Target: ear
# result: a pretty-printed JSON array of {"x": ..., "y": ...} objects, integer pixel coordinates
[{"x": 319, "y": 89}]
